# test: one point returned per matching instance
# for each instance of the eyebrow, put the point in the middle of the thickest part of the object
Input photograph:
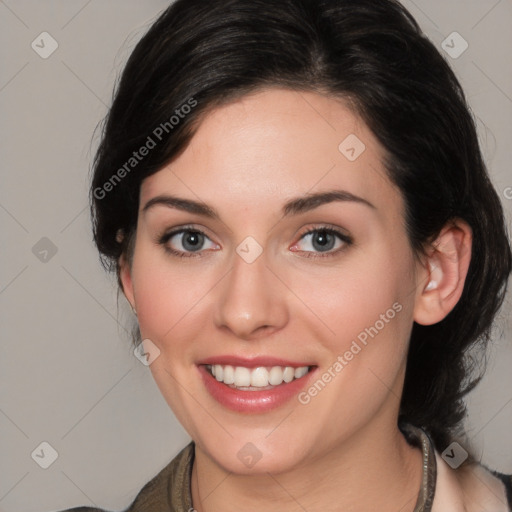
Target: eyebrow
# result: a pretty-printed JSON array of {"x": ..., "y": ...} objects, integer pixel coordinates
[{"x": 294, "y": 206}]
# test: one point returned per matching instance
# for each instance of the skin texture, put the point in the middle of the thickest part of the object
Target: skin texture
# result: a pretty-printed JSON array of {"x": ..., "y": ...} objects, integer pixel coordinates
[{"x": 342, "y": 450}]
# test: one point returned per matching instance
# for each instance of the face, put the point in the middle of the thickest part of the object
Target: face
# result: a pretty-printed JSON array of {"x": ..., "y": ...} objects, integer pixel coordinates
[{"x": 268, "y": 283}]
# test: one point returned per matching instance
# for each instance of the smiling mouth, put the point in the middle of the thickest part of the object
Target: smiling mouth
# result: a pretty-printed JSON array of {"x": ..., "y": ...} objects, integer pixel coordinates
[{"x": 256, "y": 379}]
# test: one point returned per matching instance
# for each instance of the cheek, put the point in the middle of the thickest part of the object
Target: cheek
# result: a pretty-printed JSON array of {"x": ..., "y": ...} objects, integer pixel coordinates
[
  {"x": 168, "y": 294},
  {"x": 366, "y": 312},
  {"x": 367, "y": 295},
  {"x": 366, "y": 309}
]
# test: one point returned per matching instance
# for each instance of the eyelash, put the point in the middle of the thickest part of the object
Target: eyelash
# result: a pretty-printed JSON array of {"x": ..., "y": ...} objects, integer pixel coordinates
[{"x": 347, "y": 241}]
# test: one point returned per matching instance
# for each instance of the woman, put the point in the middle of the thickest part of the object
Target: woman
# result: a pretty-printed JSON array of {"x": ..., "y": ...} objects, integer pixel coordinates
[{"x": 296, "y": 207}]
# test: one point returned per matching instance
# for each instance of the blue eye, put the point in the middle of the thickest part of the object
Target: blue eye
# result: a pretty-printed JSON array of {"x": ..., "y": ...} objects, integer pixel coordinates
[
  {"x": 191, "y": 242},
  {"x": 188, "y": 240},
  {"x": 323, "y": 240}
]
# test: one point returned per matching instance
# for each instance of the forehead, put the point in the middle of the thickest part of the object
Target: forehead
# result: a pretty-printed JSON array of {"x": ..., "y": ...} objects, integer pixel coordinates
[{"x": 275, "y": 144}]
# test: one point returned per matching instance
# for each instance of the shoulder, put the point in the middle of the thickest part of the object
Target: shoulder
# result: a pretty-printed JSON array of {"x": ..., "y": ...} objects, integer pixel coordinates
[
  {"x": 168, "y": 491},
  {"x": 471, "y": 488}
]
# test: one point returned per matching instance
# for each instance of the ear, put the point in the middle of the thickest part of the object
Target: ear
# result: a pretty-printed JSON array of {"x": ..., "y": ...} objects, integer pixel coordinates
[
  {"x": 125, "y": 277},
  {"x": 442, "y": 275}
]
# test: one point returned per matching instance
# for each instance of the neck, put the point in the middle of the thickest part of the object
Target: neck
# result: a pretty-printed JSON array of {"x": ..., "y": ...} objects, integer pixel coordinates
[{"x": 375, "y": 466}]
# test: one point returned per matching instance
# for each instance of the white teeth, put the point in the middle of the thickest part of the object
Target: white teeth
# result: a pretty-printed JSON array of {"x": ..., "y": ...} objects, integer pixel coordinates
[
  {"x": 261, "y": 377},
  {"x": 276, "y": 376},
  {"x": 288, "y": 374},
  {"x": 300, "y": 372},
  {"x": 229, "y": 375},
  {"x": 242, "y": 376}
]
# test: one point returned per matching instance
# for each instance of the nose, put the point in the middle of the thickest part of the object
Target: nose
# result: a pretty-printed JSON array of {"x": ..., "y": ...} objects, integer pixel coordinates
[{"x": 252, "y": 301}]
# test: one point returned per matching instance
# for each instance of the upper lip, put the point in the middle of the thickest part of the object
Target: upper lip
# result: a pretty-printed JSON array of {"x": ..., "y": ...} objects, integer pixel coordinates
[{"x": 252, "y": 362}]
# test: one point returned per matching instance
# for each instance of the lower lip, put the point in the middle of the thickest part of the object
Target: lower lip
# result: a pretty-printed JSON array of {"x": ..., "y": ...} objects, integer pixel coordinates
[{"x": 252, "y": 401}]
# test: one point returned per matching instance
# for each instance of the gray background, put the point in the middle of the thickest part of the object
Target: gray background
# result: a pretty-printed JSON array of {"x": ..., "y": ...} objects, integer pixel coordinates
[{"x": 69, "y": 376}]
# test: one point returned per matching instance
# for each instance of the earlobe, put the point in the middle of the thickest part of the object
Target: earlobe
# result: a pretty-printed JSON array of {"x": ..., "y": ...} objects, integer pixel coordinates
[{"x": 441, "y": 280}]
